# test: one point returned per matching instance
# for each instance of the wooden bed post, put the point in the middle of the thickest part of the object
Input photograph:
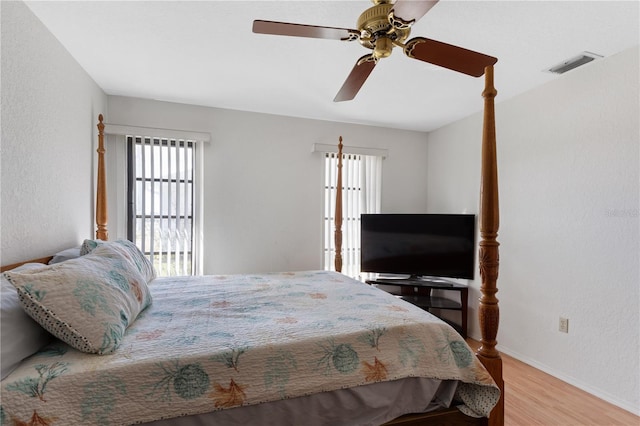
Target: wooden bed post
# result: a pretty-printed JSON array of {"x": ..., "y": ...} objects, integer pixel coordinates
[
  {"x": 338, "y": 213},
  {"x": 101, "y": 196},
  {"x": 489, "y": 219}
]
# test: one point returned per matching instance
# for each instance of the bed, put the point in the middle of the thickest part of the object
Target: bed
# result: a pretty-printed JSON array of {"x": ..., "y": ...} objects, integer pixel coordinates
[{"x": 132, "y": 350}]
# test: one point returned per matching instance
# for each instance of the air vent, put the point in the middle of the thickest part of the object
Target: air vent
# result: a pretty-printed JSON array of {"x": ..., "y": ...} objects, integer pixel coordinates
[{"x": 575, "y": 62}]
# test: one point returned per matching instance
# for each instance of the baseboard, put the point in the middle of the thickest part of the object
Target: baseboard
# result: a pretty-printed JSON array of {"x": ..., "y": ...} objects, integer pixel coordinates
[{"x": 571, "y": 380}]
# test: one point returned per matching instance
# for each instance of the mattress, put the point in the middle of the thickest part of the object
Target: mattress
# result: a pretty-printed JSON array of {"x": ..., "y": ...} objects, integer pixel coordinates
[{"x": 302, "y": 342}]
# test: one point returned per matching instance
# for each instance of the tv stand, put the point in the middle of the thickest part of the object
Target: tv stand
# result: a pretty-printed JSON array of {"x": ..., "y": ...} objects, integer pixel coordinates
[
  {"x": 418, "y": 292},
  {"x": 419, "y": 281}
]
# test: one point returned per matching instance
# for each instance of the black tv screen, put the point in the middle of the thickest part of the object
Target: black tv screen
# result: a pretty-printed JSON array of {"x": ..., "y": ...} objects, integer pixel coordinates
[{"x": 419, "y": 245}]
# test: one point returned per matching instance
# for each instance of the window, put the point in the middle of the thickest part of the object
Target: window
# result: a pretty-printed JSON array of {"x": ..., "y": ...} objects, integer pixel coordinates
[
  {"x": 160, "y": 213},
  {"x": 361, "y": 189}
]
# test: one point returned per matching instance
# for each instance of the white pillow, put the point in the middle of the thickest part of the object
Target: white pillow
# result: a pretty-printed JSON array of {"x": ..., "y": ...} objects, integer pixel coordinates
[
  {"x": 61, "y": 256},
  {"x": 20, "y": 335}
]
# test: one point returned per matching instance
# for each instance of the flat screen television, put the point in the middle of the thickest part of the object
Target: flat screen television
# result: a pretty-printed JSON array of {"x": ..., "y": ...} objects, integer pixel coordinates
[{"x": 422, "y": 246}]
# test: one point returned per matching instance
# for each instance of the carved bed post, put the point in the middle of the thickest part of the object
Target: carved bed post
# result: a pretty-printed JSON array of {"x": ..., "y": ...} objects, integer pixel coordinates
[
  {"x": 101, "y": 196},
  {"x": 338, "y": 213},
  {"x": 489, "y": 219}
]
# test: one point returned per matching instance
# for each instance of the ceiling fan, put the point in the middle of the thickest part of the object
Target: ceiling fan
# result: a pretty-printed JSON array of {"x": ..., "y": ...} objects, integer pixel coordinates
[{"x": 380, "y": 28}]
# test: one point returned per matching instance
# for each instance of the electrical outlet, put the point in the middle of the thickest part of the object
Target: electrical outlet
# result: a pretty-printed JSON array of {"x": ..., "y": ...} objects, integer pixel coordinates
[{"x": 564, "y": 325}]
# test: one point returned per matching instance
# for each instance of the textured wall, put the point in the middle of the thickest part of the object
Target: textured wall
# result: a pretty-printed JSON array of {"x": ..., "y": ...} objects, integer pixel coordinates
[
  {"x": 49, "y": 109},
  {"x": 568, "y": 157}
]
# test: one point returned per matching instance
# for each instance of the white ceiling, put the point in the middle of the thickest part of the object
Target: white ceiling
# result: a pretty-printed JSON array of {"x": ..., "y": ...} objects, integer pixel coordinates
[{"x": 204, "y": 53}]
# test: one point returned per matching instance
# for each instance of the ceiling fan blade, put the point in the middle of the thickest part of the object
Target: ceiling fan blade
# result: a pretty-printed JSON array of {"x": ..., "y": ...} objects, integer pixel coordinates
[
  {"x": 356, "y": 78},
  {"x": 448, "y": 56},
  {"x": 412, "y": 10},
  {"x": 301, "y": 30}
]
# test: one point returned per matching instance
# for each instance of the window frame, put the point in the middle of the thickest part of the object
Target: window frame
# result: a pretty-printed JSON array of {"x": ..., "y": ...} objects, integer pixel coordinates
[{"x": 133, "y": 215}]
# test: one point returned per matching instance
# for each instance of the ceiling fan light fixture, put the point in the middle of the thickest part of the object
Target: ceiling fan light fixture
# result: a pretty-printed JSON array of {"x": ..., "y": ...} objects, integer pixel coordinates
[
  {"x": 383, "y": 48},
  {"x": 572, "y": 63}
]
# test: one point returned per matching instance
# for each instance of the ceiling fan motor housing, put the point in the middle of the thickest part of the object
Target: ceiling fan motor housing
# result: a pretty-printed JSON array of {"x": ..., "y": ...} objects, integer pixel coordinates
[{"x": 377, "y": 32}]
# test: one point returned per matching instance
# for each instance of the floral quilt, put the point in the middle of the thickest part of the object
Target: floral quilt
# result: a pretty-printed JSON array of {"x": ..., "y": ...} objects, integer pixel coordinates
[{"x": 216, "y": 342}]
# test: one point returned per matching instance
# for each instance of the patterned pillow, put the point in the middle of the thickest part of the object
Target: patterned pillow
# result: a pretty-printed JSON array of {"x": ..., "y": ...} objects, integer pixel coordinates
[
  {"x": 128, "y": 249},
  {"x": 88, "y": 246},
  {"x": 87, "y": 302}
]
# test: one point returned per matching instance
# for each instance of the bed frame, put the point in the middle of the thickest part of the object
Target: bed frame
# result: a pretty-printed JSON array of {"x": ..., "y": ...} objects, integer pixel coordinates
[
  {"x": 488, "y": 259},
  {"x": 488, "y": 312}
]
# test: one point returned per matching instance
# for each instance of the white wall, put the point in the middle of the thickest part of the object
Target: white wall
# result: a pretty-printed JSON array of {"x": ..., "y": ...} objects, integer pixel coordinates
[
  {"x": 49, "y": 105},
  {"x": 263, "y": 184},
  {"x": 568, "y": 156}
]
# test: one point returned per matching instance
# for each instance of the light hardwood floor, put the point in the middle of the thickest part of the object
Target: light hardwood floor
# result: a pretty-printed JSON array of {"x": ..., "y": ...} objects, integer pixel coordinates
[{"x": 534, "y": 398}]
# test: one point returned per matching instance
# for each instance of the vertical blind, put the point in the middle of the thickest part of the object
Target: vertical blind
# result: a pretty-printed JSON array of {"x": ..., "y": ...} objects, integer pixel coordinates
[
  {"x": 160, "y": 202},
  {"x": 361, "y": 190}
]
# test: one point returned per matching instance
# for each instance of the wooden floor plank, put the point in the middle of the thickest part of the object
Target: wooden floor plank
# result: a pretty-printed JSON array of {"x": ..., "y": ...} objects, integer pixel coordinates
[{"x": 535, "y": 398}]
